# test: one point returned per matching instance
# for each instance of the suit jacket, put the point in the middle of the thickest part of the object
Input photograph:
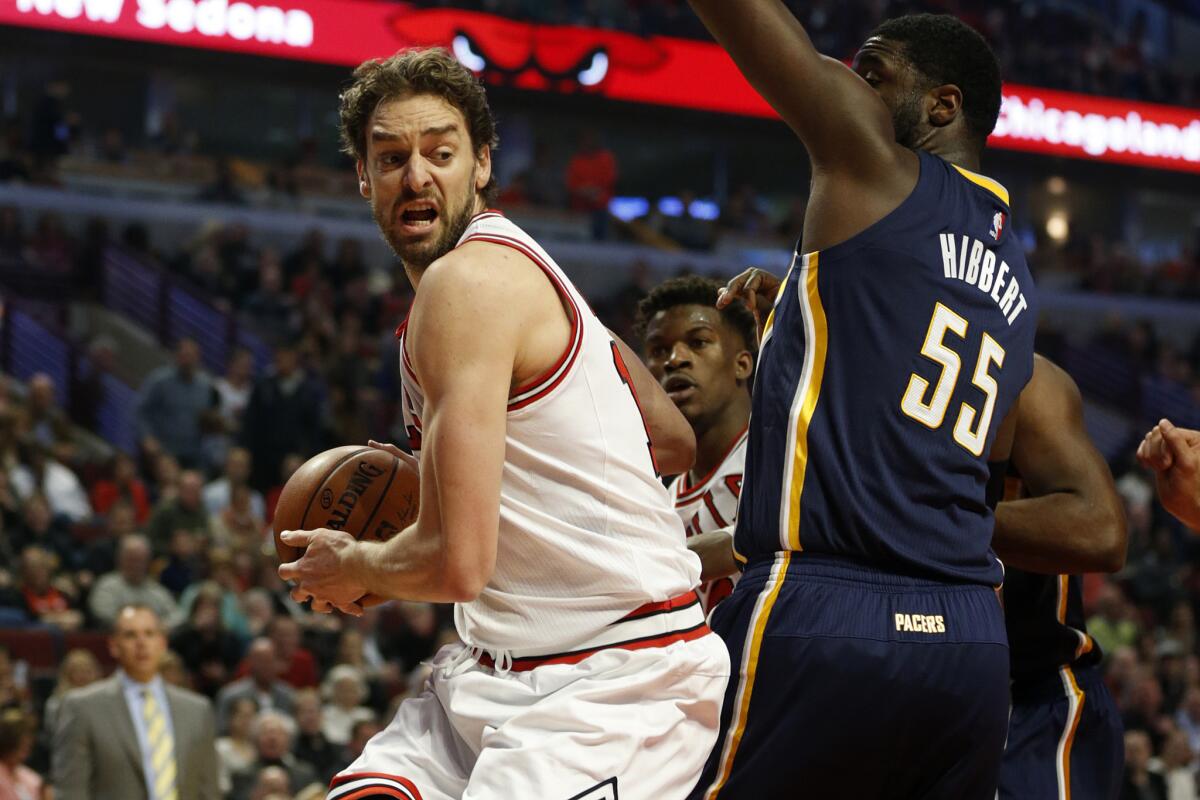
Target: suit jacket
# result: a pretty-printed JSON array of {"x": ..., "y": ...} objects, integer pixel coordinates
[{"x": 95, "y": 754}]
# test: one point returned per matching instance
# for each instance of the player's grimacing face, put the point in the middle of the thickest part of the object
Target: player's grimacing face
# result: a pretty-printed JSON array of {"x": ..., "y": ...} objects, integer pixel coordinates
[
  {"x": 422, "y": 175},
  {"x": 882, "y": 65},
  {"x": 695, "y": 357}
]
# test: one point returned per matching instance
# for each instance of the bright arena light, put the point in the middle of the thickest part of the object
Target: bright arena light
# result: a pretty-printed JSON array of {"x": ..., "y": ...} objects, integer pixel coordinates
[{"x": 1057, "y": 226}]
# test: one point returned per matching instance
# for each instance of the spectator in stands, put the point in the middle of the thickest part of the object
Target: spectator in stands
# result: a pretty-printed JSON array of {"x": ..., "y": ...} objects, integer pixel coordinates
[
  {"x": 1139, "y": 783},
  {"x": 41, "y": 527},
  {"x": 184, "y": 560},
  {"x": 269, "y": 305},
  {"x": 184, "y": 512},
  {"x": 18, "y": 730},
  {"x": 166, "y": 477},
  {"x": 345, "y": 691},
  {"x": 237, "y": 473},
  {"x": 291, "y": 463},
  {"x": 271, "y": 783},
  {"x": 131, "y": 584},
  {"x": 45, "y": 602},
  {"x": 170, "y": 729},
  {"x": 79, "y": 668},
  {"x": 273, "y": 733},
  {"x": 224, "y": 188},
  {"x": 285, "y": 415},
  {"x": 262, "y": 684},
  {"x": 46, "y": 422},
  {"x": 173, "y": 400},
  {"x": 311, "y": 744},
  {"x": 13, "y": 690},
  {"x": 299, "y": 664},
  {"x": 235, "y": 750},
  {"x": 39, "y": 472},
  {"x": 360, "y": 734},
  {"x": 1112, "y": 626},
  {"x": 592, "y": 180},
  {"x": 222, "y": 581},
  {"x": 1175, "y": 765},
  {"x": 1188, "y": 718},
  {"x": 233, "y": 389},
  {"x": 123, "y": 483},
  {"x": 175, "y": 672},
  {"x": 237, "y": 527}
]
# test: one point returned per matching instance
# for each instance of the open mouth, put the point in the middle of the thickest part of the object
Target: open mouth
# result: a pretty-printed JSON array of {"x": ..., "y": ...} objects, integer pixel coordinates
[
  {"x": 417, "y": 216},
  {"x": 679, "y": 387}
]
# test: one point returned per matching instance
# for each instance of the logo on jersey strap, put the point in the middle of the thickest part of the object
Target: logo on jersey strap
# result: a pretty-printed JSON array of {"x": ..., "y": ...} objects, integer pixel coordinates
[
  {"x": 997, "y": 225},
  {"x": 606, "y": 790}
]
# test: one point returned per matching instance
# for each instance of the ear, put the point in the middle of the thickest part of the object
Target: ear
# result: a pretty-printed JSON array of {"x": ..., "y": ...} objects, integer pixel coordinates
[
  {"x": 945, "y": 105},
  {"x": 364, "y": 180},
  {"x": 743, "y": 366},
  {"x": 483, "y": 167}
]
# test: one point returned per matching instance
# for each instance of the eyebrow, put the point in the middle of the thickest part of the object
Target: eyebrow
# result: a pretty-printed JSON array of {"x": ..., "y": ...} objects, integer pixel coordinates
[{"x": 378, "y": 135}]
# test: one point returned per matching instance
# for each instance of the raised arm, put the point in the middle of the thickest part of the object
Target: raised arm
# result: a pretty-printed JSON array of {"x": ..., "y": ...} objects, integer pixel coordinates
[
  {"x": 672, "y": 437},
  {"x": 840, "y": 119},
  {"x": 1073, "y": 520}
]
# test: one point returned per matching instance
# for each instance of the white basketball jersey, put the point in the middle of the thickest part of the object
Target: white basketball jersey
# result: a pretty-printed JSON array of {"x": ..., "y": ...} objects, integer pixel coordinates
[
  {"x": 587, "y": 532},
  {"x": 712, "y": 503}
]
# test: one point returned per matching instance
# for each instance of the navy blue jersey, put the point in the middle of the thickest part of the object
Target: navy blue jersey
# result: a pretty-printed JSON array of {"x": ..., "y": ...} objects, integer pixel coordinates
[
  {"x": 886, "y": 367},
  {"x": 1046, "y": 630}
]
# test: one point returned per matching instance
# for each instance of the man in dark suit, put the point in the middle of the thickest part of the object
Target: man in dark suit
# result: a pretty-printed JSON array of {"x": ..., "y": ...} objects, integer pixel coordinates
[{"x": 134, "y": 737}]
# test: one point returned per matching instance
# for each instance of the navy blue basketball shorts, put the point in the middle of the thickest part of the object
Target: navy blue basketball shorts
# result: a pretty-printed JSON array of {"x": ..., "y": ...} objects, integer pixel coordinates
[
  {"x": 1065, "y": 740},
  {"x": 850, "y": 682}
]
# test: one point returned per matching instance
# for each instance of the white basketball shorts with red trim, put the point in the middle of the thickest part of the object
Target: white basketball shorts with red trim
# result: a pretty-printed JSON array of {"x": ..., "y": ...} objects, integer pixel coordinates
[{"x": 633, "y": 724}]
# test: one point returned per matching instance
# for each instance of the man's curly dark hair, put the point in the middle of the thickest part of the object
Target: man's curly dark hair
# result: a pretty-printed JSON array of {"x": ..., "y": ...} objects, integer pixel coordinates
[
  {"x": 944, "y": 50},
  {"x": 695, "y": 290}
]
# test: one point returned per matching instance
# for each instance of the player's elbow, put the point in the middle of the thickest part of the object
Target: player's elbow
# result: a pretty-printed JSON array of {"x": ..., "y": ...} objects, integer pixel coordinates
[
  {"x": 677, "y": 454},
  {"x": 464, "y": 579},
  {"x": 1112, "y": 538}
]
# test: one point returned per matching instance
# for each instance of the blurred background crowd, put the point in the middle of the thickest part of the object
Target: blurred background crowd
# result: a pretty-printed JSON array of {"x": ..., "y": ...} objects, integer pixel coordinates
[{"x": 193, "y": 302}]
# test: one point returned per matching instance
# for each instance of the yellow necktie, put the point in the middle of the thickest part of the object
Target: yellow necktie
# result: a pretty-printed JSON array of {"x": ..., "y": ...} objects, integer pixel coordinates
[{"x": 162, "y": 750}]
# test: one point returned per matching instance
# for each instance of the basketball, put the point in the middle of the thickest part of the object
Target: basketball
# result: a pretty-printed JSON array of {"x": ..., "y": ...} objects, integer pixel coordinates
[{"x": 368, "y": 493}]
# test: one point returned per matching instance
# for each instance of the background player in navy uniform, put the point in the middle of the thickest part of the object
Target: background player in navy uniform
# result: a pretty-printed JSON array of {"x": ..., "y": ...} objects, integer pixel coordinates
[
  {"x": 869, "y": 643},
  {"x": 704, "y": 359},
  {"x": 1065, "y": 737}
]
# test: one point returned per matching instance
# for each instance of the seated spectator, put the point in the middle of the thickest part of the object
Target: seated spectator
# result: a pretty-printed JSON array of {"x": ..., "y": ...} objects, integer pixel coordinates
[
  {"x": 272, "y": 783},
  {"x": 13, "y": 690},
  {"x": 184, "y": 512},
  {"x": 39, "y": 472},
  {"x": 46, "y": 423},
  {"x": 204, "y": 644},
  {"x": 1111, "y": 626},
  {"x": 361, "y": 733},
  {"x": 18, "y": 729},
  {"x": 184, "y": 563},
  {"x": 1188, "y": 718},
  {"x": 237, "y": 473},
  {"x": 131, "y": 584},
  {"x": 124, "y": 483},
  {"x": 87, "y": 384},
  {"x": 311, "y": 744},
  {"x": 1139, "y": 783},
  {"x": 1175, "y": 766},
  {"x": 345, "y": 691},
  {"x": 223, "y": 577},
  {"x": 41, "y": 527},
  {"x": 235, "y": 750},
  {"x": 166, "y": 477},
  {"x": 273, "y": 733},
  {"x": 45, "y": 601},
  {"x": 262, "y": 684},
  {"x": 172, "y": 401},
  {"x": 79, "y": 668},
  {"x": 233, "y": 389}
]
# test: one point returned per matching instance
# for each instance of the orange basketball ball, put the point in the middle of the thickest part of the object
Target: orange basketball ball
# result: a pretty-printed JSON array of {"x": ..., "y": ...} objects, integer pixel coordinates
[{"x": 368, "y": 493}]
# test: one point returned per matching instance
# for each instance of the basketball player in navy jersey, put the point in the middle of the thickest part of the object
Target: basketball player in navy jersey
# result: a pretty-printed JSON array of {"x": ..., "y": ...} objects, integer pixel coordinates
[
  {"x": 1065, "y": 737},
  {"x": 868, "y": 642},
  {"x": 704, "y": 360},
  {"x": 1174, "y": 455}
]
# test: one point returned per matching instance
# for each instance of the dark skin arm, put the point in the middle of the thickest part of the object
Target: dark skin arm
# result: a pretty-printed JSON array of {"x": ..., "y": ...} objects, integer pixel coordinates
[
  {"x": 715, "y": 549},
  {"x": 671, "y": 436},
  {"x": 860, "y": 173},
  {"x": 1073, "y": 520}
]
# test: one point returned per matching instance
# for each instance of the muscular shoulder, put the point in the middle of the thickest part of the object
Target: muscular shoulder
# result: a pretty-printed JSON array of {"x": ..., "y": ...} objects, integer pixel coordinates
[
  {"x": 1051, "y": 395},
  {"x": 482, "y": 276}
]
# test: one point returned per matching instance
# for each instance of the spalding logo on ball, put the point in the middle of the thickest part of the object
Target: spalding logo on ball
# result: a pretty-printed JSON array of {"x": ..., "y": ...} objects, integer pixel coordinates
[{"x": 368, "y": 493}]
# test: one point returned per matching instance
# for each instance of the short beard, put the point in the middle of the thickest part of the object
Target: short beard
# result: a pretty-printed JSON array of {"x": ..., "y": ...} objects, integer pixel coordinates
[
  {"x": 906, "y": 120},
  {"x": 421, "y": 255}
]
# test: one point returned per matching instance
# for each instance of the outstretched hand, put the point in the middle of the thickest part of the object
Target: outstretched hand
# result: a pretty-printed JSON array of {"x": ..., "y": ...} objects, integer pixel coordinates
[
  {"x": 757, "y": 288},
  {"x": 1174, "y": 455}
]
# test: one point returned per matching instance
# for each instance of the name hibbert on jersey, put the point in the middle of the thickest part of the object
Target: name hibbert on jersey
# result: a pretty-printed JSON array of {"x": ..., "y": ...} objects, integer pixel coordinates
[{"x": 971, "y": 261}]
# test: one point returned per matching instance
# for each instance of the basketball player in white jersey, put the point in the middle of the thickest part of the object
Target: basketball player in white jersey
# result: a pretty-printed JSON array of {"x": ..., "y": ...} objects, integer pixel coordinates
[
  {"x": 587, "y": 669},
  {"x": 704, "y": 359}
]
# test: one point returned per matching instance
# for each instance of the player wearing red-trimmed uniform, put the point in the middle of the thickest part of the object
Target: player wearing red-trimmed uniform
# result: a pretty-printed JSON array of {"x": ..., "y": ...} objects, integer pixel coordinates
[
  {"x": 586, "y": 669},
  {"x": 704, "y": 359}
]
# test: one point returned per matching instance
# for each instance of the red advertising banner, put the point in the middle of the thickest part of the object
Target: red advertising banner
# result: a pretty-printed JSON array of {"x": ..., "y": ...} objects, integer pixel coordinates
[{"x": 569, "y": 59}]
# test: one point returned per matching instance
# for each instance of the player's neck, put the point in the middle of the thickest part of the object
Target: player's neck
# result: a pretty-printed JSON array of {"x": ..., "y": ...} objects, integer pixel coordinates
[
  {"x": 713, "y": 443},
  {"x": 957, "y": 153}
]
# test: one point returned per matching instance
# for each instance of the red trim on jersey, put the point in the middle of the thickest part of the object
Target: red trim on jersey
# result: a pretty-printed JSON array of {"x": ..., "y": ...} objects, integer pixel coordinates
[
  {"x": 534, "y": 390},
  {"x": 712, "y": 509},
  {"x": 685, "y": 493},
  {"x": 662, "y": 640},
  {"x": 368, "y": 791},
  {"x": 650, "y": 609}
]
